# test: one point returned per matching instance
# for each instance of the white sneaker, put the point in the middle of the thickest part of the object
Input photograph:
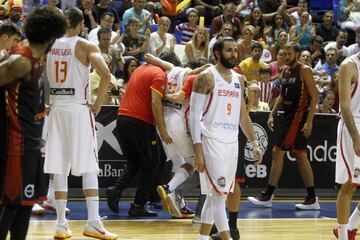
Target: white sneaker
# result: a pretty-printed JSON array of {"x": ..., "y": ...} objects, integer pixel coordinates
[
  {"x": 309, "y": 204},
  {"x": 62, "y": 231},
  {"x": 37, "y": 209},
  {"x": 174, "y": 201},
  {"x": 50, "y": 206},
  {"x": 262, "y": 200},
  {"x": 96, "y": 229}
]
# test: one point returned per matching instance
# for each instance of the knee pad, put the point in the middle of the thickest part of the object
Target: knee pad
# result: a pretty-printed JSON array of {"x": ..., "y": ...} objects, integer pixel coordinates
[
  {"x": 60, "y": 182},
  {"x": 207, "y": 215},
  {"x": 90, "y": 180},
  {"x": 219, "y": 211}
]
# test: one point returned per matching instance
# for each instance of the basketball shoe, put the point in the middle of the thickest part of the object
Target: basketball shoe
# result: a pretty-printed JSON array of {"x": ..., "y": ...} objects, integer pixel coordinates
[
  {"x": 351, "y": 233},
  {"x": 62, "y": 231},
  {"x": 97, "y": 230},
  {"x": 49, "y": 205},
  {"x": 310, "y": 203},
  {"x": 163, "y": 191},
  {"x": 37, "y": 209},
  {"x": 263, "y": 200}
]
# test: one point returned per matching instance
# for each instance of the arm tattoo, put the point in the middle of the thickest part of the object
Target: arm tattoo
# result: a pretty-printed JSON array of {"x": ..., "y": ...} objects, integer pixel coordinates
[{"x": 201, "y": 84}]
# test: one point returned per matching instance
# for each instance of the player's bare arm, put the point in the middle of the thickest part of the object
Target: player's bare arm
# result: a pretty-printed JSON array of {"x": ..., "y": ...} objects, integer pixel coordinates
[
  {"x": 308, "y": 79},
  {"x": 13, "y": 68},
  {"x": 158, "y": 112},
  {"x": 98, "y": 62},
  {"x": 203, "y": 85},
  {"x": 178, "y": 97},
  {"x": 149, "y": 58},
  {"x": 347, "y": 76},
  {"x": 247, "y": 127}
]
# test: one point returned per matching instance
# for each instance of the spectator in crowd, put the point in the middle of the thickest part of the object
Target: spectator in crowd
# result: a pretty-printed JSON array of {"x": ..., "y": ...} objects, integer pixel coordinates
[
  {"x": 198, "y": 46},
  {"x": 226, "y": 30},
  {"x": 302, "y": 6},
  {"x": 208, "y": 8},
  {"x": 327, "y": 103},
  {"x": 280, "y": 43},
  {"x": 278, "y": 65},
  {"x": 244, "y": 43},
  {"x": 227, "y": 16},
  {"x": 187, "y": 29},
  {"x": 256, "y": 19},
  {"x": 169, "y": 10},
  {"x": 111, "y": 53},
  {"x": 136, "y": 44},
  {"x": 244, "y": 7},
  {"x": 162, "y": 41},
  {"x": 339, "y": 45},
  {"x": 138, "y": 11},
  {"x": 130, "y": 65},
  {"x": 352, "y": 15},
  {"x": 268, "y": 89},
  {"x": 104, "y": 6},
  {"x": 316, "y": 50},
  {"x": 302, "y": 32},
  {"x": 86, "y": 6},
  {"x": 354, "y": 48},
  {"x": 334, "y": 86},
  {"x": 140, "y": 109},
  {"x": 250, "y": 67},
  {"x": 278, "y": 25},
  {"x": 254, "y": 93},
  {"x": 330, "y": 65},
  {"x": 326, "y": 29},
  {"x": 305, "y": 58},
  {"x": 15, "y": 14},
  {"x": 10, "y": 35}
]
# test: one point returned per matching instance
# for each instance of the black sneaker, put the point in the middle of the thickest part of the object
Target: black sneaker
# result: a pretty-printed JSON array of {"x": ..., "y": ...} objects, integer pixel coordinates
[
  {"x": 234, "y": 233},
  {"x": 163, "y": 191},
  {"x": 310, "y": 203},
  {"x": 140, "y": 211},
  {"x": 113, "y": 196},
  {"x": 262, "y": 200}
]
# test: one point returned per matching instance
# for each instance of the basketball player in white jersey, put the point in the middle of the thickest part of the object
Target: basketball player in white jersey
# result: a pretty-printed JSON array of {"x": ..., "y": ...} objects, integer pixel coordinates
[
  {"x": 347, "y": 170},
  {"x": 181, "y": 150},
  {"x": 71, "y": 144},
  {"x": 217, "y": 107}
]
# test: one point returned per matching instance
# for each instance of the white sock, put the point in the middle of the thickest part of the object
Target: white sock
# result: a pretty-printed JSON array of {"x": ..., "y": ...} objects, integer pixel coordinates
[
  {"x": 60, "y": 210},
  {"x": 354, "y": 220},
  {"x": 50, "y": 194},
  {"x": 343, "y": 231},
  {"x": 180, "y": 176},
  {"x": 92, "y": 204},
  {"x": 203, "y": 237}
]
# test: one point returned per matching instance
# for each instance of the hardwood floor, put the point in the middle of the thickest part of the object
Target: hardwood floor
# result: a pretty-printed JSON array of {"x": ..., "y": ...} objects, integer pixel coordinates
[{"x": 269, "y": 229}]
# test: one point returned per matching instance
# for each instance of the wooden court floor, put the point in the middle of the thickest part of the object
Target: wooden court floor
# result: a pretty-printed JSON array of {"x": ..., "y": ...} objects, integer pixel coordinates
[{"x": 250, "y": 229}]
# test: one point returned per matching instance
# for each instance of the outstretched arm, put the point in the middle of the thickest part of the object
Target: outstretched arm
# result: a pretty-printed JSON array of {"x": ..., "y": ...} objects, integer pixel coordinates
[{"x": 149, "y": 58}]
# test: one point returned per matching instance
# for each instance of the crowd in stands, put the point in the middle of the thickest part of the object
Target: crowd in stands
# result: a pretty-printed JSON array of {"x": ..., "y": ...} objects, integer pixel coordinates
[{"x": 126, "y": 30}]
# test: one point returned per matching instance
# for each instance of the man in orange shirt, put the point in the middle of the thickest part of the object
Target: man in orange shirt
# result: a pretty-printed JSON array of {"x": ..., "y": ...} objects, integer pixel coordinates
[{"x": 140, "y": 109}]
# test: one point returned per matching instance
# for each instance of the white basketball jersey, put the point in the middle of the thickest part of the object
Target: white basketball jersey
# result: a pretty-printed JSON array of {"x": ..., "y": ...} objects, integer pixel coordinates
[
  {"x": 174, "y": 84},
  {"x": 355, "y": 90},
  {"x": 221, "y": 116},
  {"x": 68, "y": 77}
]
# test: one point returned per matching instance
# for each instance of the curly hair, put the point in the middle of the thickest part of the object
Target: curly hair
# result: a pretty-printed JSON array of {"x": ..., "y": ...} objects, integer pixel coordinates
[{"x": 44, "y": 24}]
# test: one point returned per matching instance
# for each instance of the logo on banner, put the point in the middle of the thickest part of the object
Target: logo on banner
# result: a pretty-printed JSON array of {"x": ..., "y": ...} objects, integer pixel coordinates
[
  {"x": 263, "y": 139},
  {"x": 105, "y": 134}
]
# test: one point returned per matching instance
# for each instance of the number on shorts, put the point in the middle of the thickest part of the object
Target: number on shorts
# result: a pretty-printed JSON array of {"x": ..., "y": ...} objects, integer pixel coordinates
[
  {"x": 61, "y": 71},
  {"x": 228, "y": 108}
]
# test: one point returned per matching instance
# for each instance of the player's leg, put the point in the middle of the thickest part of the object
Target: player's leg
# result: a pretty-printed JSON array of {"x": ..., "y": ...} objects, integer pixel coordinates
[
  {"x": 7, "y": 215},
  {"x": 207, "y": 219},
  {"x": 19, "y": 229},
  {"x": 61, "y": 193}
]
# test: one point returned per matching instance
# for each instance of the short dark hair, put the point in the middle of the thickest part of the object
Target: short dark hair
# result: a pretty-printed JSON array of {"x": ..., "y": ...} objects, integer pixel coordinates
[
  {"x": 255, "y": 45},
  {"x": 317, "y": 38},
  {"x": 74, "y": 16},
  {"x": 9, "y": 29},
  {"x": 103, "y": 30},
  {"x": 170, "y": 57},
  {"x": 196, "y": 62},
  {"x": 44, "y": 24},
  {"x": 294, "y": 45},
  {"x": 107, "y": 14},
  {"x": 219, "y": 44}
]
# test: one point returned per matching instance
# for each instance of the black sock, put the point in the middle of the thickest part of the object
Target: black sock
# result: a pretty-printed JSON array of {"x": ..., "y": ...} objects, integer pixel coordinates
[
  {"x": 270, "y": 190},
  {"x": 232, "y": 220},
  {"x": 311, "y": 192}
]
